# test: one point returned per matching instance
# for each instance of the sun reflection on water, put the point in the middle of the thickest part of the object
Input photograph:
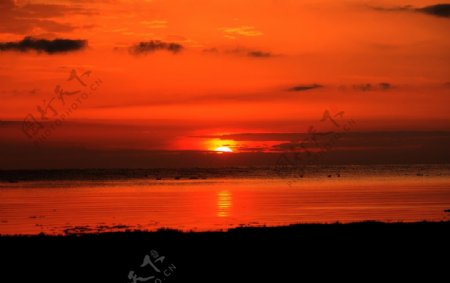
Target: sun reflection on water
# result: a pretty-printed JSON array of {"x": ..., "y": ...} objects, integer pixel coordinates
[{"x": 223, "y": 203}]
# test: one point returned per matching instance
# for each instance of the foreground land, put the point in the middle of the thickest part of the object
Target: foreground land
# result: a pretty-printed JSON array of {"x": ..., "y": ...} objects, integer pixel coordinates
[{"x": 294, "y": 253}]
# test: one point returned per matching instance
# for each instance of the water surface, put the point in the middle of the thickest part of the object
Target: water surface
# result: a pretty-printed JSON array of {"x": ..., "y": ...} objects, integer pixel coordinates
[{"x": 67, "y": 206}]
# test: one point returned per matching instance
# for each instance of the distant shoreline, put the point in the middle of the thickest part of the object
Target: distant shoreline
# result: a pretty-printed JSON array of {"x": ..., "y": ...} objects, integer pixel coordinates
[{"x": 14, "y": 176}]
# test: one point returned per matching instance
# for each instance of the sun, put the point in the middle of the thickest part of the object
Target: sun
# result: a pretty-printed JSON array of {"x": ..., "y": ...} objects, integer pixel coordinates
[
  {"x": 220, "y": 145},
  {"x": 223, "y": 149}
]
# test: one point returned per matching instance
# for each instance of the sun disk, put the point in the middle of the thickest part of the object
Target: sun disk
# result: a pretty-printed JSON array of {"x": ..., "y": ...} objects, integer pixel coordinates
[{"x": 223, "y": 149}]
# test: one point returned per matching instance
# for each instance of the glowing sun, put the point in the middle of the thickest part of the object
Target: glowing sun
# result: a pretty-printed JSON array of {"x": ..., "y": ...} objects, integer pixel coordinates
[{"x": 223, "y": 149}]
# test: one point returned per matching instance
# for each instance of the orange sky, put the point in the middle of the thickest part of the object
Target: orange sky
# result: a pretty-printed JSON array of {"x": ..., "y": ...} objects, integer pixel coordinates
[{"x": 243, "y": 67}]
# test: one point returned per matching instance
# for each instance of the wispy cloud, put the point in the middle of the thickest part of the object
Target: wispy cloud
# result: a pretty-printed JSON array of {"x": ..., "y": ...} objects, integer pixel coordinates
[
  {"x": 355, "y": 140},
  {"x": 233, "y": 32},
  {"x": 23, "y": 19},
  {"x": 155, "y": 24},
  {"x": 20, "y": 92}
]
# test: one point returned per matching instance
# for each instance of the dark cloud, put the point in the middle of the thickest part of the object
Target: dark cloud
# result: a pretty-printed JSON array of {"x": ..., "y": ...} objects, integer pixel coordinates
[
  {"x": 155, "y": 45},
  {"x": 257, "y": 136},
  {"x": 352, "y": 148},
  {"x": 372, "y": 87},
  {"x": 363, "y": 147},
  {"x": 438, "y": 10},
  {"x": 43, "y": 45},
  {"x": 250, "y": 149},
  {"x": 394, "y": 9},
  {"x": 367, "y": 136},
  {"x": 384, "y": 86},
  {"x": 250, "y": 53},
  {"x": 241, "y": 51},
  {"x": 259, "y": 54},
  {"x": 305, "y": 87},
  {"x": 368, "y": 141}
]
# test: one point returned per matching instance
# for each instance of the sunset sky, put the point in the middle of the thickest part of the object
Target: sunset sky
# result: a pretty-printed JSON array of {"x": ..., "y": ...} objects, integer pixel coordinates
[{"x": 181, "y": 77}]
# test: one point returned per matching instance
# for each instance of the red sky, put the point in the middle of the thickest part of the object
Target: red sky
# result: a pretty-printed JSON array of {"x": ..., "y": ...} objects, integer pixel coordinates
[{"x": 222, "y": 67}]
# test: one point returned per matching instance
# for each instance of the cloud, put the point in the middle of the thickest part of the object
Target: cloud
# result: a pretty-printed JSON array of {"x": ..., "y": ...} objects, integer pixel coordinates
[
  {"x": 438, "y": 10},
  {"x": 154, "y": 45},
  {"x": 23, "y": 19},
  {"x": 233, "y": 32},
  {"x": 250, "y": 53},
  {"x": 241, "y": 51},
  {"x": 41, "y": 10},
  {"x": 372, "y": 87},
  {"x": 259, "y": 54},
  {"x": 380, "y": 139},
  {"x": 257, "y": 136},
  {"x": 156, "y": 24},
  {"x": 348, "y": 150},
  {"x": 20, "y": 92},
  {"x": 305, "y": 87},
  {"x": 393, "y": 9},
  {"x": 371, "y": 144},
  {"x": 43, "y": 45},
  {"x": 211, "y": 50}
]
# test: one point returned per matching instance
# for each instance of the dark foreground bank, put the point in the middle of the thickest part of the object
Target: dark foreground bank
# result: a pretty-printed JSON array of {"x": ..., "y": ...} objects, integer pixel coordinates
[{"x": 297, "y": 253}]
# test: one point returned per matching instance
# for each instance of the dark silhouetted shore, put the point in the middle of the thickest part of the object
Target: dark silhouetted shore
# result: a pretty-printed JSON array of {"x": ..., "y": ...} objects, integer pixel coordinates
[{"x": 295, "y": 253}]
